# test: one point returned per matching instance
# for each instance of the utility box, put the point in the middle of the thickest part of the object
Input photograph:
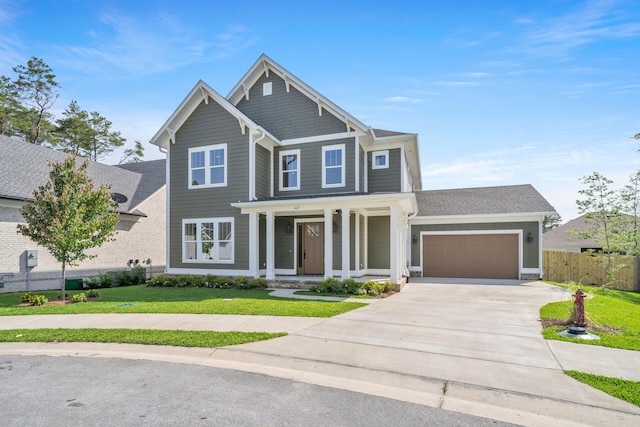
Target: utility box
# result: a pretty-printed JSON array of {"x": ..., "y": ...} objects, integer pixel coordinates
[{"x": 32, "y": 259}]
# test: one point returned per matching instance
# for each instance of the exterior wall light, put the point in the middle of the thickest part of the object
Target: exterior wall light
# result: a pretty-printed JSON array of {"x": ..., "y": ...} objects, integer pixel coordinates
[
  {"x": 530, "y": 237},
  {"x": 414, "y": 239}
]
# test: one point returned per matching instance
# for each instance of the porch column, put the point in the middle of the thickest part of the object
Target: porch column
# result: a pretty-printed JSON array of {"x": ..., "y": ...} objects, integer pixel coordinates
[
  {"x": 271, "y": 275},
  {"x": 254, "y": 257},
  {"x": 393, "y": 245},
  {"x": 328, "y": 242},
  {"x": 346, "y": 249}
]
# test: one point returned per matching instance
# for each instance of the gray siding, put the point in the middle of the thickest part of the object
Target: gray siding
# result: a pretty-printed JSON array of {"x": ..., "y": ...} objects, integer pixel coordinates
[
  {"x": 387, "y": 180},
  {"x": 529, "y": 250},
  {"x": 284, "y": 243},
  {"x": 263, "y": 171},
  {"x": 287, "y": 115},
  {"x": 378, "y": 242},
  {"x": 209, "y": 124},
  {"x": 363, "y": 167},
  {"x": 311, "y": 168}
]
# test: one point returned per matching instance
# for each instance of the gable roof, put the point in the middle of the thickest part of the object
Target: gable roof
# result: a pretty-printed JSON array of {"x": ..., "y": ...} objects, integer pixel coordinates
[
  {"x": 202, "y": 92},
  {"x": 154, "y": 177},
  {"x": 560, "y": 236},
  {"x": 503, "y": 200},
  {"x": 23, "y": 168}
]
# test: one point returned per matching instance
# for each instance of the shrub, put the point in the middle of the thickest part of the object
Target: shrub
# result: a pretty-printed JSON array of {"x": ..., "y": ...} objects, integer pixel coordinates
[
  {"x": 93, "y": 293},
  {"x": 105, "y": 279},
  {"x": 81, "y": 297},
  {"x": 332, "y": 285},
  {"x": 66, "y": 294},
  {"x": 125, "y": 277},
  {"x": 33, "y": 299},
  {"x": 240, "y": 281},
  {"x": 139, "y": 275},
  {"x": 257, "y": 283},
  {"x": 319, "y": 289},
  {"x": 373, "y": 288},
  {"x": 92, "y": 283},
  {"x": 223, "y": 282},
  {"x": 388, "y": 286},
  {"x": 352, "y": 286}
]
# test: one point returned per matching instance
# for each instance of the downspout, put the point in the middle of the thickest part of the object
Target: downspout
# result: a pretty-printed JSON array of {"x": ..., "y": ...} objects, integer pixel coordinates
[
  {"x": 253, "y": 163},
  {"x": 408, "y": 261}
]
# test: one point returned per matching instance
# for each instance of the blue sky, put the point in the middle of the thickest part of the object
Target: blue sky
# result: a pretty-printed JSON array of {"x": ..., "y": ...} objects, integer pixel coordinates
[{"x": 499, "y": 92}]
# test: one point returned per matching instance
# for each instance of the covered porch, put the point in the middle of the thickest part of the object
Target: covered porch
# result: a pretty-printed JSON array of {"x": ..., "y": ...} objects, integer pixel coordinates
[{"x": 340, "y": 236}]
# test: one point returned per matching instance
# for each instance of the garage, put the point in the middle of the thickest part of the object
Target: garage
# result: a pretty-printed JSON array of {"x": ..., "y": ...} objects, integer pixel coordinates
[{"x": 492, "y": 256}]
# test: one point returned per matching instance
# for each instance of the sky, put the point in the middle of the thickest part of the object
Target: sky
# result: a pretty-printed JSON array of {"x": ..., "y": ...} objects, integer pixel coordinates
[{"x": 540, "y": 92}]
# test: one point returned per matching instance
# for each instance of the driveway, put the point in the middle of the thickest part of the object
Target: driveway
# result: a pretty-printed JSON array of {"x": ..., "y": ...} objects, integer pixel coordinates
[{"x": 471, "y": 346}]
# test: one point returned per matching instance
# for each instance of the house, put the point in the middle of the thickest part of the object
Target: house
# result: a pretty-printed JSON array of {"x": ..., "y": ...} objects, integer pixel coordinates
[
  {"x": 141, "y": 228},
  {"x": 276, "y": 180}
]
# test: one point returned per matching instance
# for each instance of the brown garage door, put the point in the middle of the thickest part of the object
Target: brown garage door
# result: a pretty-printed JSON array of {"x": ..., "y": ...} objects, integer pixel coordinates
[{"x": 493, "y": 256}]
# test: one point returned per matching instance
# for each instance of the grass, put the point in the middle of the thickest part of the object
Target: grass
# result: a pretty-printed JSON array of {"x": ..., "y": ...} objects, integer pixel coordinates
[
  {"x": 316, "y": 294},
  {"x": 140, "y": 299},
  {"x": 613, "y": 315},
  {"x": 180, "y": 338},
  {"x": 622, "y": 389}
]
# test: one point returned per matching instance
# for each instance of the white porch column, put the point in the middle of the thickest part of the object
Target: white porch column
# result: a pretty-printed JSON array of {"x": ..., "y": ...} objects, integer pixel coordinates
[
  {"x": 346, "y": 248},
  {"x": 394, "y": 248},
  {"x": 328, "y": 242},
  {"x": 271, "y": 275},
  {"x": 254, "y": 257}
]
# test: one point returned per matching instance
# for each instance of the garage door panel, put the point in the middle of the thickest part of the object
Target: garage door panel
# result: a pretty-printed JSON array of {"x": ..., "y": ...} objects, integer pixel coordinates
[{"x": 471, "y": 256}]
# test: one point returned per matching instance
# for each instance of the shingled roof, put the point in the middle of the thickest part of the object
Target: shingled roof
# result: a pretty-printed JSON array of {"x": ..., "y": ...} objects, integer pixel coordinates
[
  {"x": 23, "y": 168},
  {"x": 511, "y": 199}
]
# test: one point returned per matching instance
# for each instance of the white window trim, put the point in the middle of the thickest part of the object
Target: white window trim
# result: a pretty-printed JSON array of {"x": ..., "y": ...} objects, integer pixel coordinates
[
  {"x": 207, "y": 167},
  {"x": 216, "y": 240},
  {"x": 281, "y": 172},
  {"x": 384, "y": 153},
  {"x": 326, "y": 148}
]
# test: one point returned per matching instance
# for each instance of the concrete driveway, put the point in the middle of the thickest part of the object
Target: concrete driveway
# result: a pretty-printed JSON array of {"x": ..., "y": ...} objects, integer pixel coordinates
[{"x": 470, "y": 346}]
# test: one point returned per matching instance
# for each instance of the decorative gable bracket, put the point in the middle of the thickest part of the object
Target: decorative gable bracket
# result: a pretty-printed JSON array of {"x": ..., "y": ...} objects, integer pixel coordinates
[{"x": 172, "y": 134}]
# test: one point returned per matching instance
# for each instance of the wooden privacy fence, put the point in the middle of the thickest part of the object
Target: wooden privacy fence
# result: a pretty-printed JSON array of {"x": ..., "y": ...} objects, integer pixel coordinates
[{"x": 587, "y": 269}]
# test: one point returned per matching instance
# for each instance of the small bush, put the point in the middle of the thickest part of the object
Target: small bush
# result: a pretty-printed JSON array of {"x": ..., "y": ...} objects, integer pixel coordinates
[
  {"x": 223, "y": 282},
  {"x": 81, "y": 297},
  {"x": 388, "y": 286},
  {"x": 106, "y": 280},
  {"x": 373, "y": 288},
  {"x": 139, "y": 275},
  {"x": 92, "y": 283},
  {"x": 66, "y": 294},
  {"x": 125, "y": 278},
  {"x": 257, "y": 283},
  {"x": 352, "y": 286},
  {"x": 93, "y": 293},
  {"x": 332, "y": 285},
  {"x": 33, "y": 299},
  {"x": 240, "y": 281}
]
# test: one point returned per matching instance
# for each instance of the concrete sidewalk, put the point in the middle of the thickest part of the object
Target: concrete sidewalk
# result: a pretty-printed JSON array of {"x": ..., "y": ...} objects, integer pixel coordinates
[{"x": 466, "y": 346}]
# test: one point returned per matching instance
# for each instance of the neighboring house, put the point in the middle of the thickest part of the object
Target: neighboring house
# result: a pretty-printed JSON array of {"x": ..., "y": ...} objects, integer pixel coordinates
[
  {"x": 561, "y": 239},
  {"x": 275, "y": 179},
  {"x": 141, "y": 228}
]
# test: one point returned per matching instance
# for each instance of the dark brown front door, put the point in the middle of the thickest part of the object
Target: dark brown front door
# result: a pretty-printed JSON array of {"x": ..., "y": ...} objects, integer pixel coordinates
[{"x": 312, "y": 238}]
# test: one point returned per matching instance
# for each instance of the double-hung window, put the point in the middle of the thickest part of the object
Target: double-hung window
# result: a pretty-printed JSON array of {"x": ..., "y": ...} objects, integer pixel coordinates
[
  {"x": 208, "y": 166},
  {"x": 333, "y": 166},
  {"x": 289, "y": 170},
  {"x": 207, "y": 240}
]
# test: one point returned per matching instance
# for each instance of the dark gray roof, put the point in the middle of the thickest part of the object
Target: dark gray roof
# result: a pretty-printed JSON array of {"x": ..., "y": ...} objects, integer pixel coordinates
[
  {"x": 511, "y": 199},
  {"x": 560, "y": 236},
  {"x": 23, "y": 168},
  {"x": 381, "y": 133},
  {"x": 153, "y": 178}
]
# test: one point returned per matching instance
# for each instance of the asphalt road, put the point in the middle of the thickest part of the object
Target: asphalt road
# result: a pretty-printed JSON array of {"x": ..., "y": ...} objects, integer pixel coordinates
[{"x": 77, "y": 391}]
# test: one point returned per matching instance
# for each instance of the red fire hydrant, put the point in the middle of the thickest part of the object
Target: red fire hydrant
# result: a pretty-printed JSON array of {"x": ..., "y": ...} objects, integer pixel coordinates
[{"x": 579, "y": 320}]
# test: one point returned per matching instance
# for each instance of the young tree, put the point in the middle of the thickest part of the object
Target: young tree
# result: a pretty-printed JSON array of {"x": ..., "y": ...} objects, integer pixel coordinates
[
  {"x": 36, "y": 84},
  {"x": 630, "y": 206},
  {"x": 133, "y": 155},
  {"x": 602, "y": 210},
  {"x": 68, "y": 216},
  {"x": 10, "y": 107}
]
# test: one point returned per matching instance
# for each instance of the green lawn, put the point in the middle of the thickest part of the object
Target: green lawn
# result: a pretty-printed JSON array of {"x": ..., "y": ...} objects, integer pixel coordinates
[
  {"x": 622, "y": 389},
  {"x": 140, "y": 299},
  {"x": 180, "y": 338},
  {"x": 606, "y": 308}
]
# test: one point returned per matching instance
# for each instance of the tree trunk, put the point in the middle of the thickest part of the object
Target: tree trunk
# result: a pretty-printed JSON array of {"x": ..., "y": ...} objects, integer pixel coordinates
[{"x": 62, "y": 286}]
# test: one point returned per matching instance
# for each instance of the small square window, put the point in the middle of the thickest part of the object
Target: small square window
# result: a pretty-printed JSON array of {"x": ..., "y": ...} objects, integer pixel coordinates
[
  {"x": 380, "y": 159},
  {"x": 267, "y": 89}
]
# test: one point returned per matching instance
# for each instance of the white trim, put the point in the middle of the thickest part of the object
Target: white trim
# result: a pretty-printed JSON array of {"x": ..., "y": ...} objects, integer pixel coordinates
[
  {"x": 385, "y": 154},
  {"x": 316, "y": 138},
  {"x": 203, "y": 271},
  {"x": 469, "y": 219},
  {"x": 285, "y": 272},
  {"x": 328, "y": 241},
  {"x": 167, "y": 243},
  {"x": 207, "y": 149},
  {"x": 267, "y": 88},
  {"x": 252, "y": 167},
  {"x": 215, "y": 240},
  {"x": 356, "y": 178},
  {"x": 474, "y": 232},
  {"x": 342, "y": 166},
  {"x": 281, "y": 154}
]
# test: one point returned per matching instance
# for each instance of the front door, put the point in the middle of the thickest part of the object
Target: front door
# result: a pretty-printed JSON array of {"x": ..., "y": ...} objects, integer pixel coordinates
[{"x": 312, "y": 247}]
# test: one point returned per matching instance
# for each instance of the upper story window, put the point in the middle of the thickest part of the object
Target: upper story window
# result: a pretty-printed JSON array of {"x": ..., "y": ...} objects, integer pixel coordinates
[
  {"x": 208, "y": 166},
  {"x": 333, "y": 166},
  {"x": 289, "y": 170},
  {"x": 380, "y": 159},
  {"x": 207, "y": 240}
]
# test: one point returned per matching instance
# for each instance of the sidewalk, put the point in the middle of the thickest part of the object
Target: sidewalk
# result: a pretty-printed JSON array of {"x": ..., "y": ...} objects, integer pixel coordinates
[{"x": 425, "y": 345}]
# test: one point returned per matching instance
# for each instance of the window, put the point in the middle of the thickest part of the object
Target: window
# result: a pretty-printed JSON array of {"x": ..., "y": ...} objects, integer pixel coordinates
[
  {"x": 207, "y": 240},
  {"x": 333, "y": 166},
  {"x": 207, "y": 166},
  {"x": 380, "y": 159},
  {"x": 289, "y": 170},
  {"x": 267, "y": 89}
]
